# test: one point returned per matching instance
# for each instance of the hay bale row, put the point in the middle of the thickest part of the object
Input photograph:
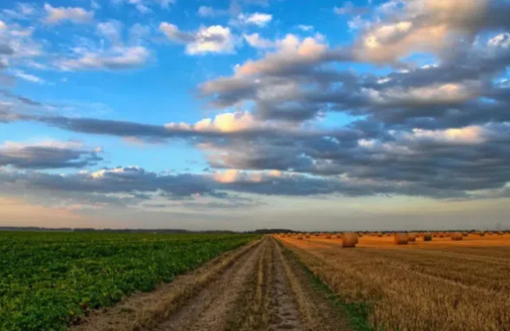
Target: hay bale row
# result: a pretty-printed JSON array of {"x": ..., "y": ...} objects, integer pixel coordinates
[
  {"x": 401, "y": 238},
  {"x": 349, "y": 239},
  {"x": 411, "y": 236},
  {"x": 457, "y": 236}
]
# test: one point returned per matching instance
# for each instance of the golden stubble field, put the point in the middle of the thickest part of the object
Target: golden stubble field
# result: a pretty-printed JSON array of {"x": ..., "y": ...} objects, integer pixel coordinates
[{"x": 437, "y": 285}]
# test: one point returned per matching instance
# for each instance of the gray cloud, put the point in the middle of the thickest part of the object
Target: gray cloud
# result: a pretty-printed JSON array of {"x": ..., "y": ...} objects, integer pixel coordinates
[
  {"x": 437, "y": 130},
  {"x": 438, "y": 163},
  {"x": 298, "y": 85},
  {"x": 47, "y": 157},
  {"x": 130, "y": 186},
  {"x": 6, "y": 49},
  {"x": 149, "y": 131},
  {"x": 22, "y": 99},
  {"x": 303, "y": 93}
]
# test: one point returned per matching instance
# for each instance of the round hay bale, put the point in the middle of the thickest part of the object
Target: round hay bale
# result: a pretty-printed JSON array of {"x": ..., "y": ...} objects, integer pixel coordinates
[
  {"x": 307, "y": 236},
  {"x": 457, "y": 236},
  {"x": 300, "y": 237},
  {"x": 427, "y": 236},
  {"x": 411, "y": 236},
  {"x": 465, "y": 234},
  {"x": 328, "y": 236},
  {"x": 349, "y": 239},
  {"x": 401, "y": 238}
]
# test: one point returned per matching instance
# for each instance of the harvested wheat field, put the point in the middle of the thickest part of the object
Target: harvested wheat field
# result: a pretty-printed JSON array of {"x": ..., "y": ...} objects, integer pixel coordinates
[
  {"x": 443, "y": 284},
  {"x": 257, "y": 287}
]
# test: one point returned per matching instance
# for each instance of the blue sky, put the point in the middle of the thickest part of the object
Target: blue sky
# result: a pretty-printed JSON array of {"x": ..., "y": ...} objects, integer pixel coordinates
[
  {"x": 164, "y": 89},
  {"x": 201, "y": 114}
]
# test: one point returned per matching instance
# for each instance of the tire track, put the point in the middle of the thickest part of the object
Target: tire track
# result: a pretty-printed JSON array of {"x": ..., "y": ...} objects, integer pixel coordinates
[
  {"x": 266, "y": 290},
  {"x": 260, "y": 288},
  {"x": 211, "y": 309}
]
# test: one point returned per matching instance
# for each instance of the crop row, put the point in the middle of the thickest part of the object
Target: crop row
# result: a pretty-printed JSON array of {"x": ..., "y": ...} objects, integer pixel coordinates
[{"x": 50, "y": 280}]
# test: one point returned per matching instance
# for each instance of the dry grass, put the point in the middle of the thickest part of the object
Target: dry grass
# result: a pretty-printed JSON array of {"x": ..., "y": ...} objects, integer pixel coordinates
[{"x": 438, "y": 285}]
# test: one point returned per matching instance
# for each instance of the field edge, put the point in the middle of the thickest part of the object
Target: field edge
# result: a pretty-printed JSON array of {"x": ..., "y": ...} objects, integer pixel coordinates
[{"x": 357, "y": 313}]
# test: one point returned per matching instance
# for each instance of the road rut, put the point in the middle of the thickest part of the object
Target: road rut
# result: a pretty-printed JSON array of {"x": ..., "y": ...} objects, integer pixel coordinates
[
  {"x": 265, "y": 289},
  {"x": 261, "y": 287}
]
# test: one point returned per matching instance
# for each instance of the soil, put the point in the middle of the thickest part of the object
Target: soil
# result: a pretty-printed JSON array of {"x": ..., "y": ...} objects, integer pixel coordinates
[{"x": 258, "y": 287}]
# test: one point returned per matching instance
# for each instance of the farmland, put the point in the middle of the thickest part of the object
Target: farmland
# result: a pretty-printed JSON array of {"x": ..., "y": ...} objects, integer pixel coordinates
[
  {"x": 258, "y": 287},
  {"x": 50, "y": 280},
  {"x": 329, "y": 282},
  {"x": 438, "y": 285}
]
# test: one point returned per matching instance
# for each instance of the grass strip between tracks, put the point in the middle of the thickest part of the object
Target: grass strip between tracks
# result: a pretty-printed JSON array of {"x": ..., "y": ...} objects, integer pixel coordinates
[{"x": 357, "y": 312}]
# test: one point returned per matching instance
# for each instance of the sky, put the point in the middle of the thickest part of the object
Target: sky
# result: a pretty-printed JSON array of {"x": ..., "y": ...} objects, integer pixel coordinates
[{"x": 247, "y": 114}]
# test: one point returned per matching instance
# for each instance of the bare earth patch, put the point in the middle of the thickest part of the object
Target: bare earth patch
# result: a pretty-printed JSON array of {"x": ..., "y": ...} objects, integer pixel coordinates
[{"x": 257, "y": 287}]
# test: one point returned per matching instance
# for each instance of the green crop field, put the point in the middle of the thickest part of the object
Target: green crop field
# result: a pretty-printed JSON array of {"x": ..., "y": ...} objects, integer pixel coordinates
[{"x": 49, "y": 280}]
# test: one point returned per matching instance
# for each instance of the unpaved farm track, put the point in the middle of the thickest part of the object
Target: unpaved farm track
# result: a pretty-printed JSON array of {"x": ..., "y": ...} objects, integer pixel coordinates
[{"x": 260, "y": 287}]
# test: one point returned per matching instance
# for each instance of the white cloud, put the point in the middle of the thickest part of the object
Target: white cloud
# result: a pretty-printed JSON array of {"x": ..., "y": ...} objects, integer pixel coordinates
[
  {"x": 28, "y": 77},
  {"x": 74, "y": 14},
  {"x": 174, "y": 33},
  {"x": 229, "y": 122},
  {"x": 17, "y": 42},
  {"x": 404, "y": 27},
  {"x": 144, "y": 6},
  {"x": 305, "y": 28},
  {"x": 256, "y": 41},
  {"x": 23, "y": 11},
  {"x": 12, "y": 145},
  {"x": 501, "y": 40},
  {"x": 205, "y": 11},
  {"x": 213, "y": 39},
  {"x": 258, "y": 19},
  {"x": 110, "y": 30},
  {"x": 438, "y": 93},
  {"x": 235, "y": 176},
  {"x": 349, "y": 8},
  {"x": 117, "y": 58},
  {"x": 466, "y": 135},
  {"x": 138, "y": 33},
  {"x": 291, "y": 49}
]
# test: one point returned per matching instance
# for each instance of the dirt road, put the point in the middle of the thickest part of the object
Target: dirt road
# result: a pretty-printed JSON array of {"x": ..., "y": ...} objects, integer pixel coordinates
[{"x": 260, "y": 287}]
